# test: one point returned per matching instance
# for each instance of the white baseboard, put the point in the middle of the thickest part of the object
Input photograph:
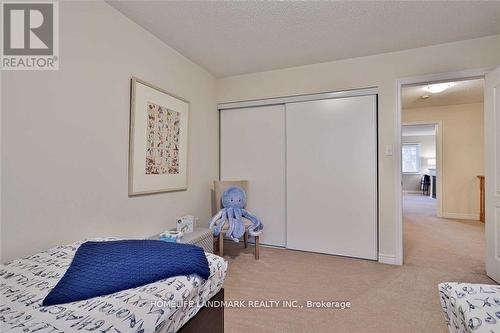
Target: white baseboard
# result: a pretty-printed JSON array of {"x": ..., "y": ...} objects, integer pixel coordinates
[
  {"x": 413, "y": 192},
  {"x": 460, "y": 216},
  {"x": 387, "y": 259}
]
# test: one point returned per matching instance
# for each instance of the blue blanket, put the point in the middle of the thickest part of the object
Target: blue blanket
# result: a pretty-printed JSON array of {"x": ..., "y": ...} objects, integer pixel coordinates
[{"x": 102, "y": 268}]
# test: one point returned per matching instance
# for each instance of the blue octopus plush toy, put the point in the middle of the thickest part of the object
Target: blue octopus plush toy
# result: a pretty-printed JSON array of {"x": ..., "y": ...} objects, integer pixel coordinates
[{"x": 233, "y": 201}]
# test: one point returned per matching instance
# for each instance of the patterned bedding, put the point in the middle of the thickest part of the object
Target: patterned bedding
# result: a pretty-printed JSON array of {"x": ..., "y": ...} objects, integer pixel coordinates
[
  {"x": 470, "y": 307},
  {"x": 162, "y": 306}
]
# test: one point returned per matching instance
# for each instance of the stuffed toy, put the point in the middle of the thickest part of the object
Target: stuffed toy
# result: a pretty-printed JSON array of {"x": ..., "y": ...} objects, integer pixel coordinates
[{"x": 233, "y": 201}]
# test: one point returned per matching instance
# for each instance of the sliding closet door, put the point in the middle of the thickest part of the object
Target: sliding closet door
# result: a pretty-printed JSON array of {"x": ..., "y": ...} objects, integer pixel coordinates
[
  {"x": 332, "y": 176},
  {"x": 253, "y": 149}
]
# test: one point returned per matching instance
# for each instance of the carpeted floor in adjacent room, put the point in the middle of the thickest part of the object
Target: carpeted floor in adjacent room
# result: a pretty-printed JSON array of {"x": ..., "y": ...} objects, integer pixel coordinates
[{"x": 384, "y": 298}]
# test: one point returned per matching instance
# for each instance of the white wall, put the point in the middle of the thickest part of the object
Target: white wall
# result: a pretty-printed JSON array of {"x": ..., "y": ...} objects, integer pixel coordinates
[
  {"x": 65, "y": 136},
  {"x": 463, "y": 154},
  {"x": 411, "y": 182},
  {"x": 381, "y": 71},
  {"x": 65, "y": 133}
]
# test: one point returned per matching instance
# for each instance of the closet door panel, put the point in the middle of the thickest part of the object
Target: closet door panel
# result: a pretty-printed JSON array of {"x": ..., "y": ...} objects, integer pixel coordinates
[
  {"x": 253, "y": 148},
  {"x": 332, "y": 176}
]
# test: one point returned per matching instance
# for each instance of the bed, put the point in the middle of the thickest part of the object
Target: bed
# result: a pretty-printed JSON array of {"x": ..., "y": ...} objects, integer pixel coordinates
[
  {"x": 169, "y": 305},
  {"x": 470, "y": 307}
]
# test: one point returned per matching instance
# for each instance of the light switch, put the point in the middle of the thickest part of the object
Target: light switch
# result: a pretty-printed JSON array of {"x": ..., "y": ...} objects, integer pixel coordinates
[{"x": 388, "y": 150}]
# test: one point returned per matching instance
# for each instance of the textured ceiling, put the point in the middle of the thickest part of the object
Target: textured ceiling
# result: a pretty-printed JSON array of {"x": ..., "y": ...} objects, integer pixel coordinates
[
  {"x": 462, "y": 92},
  {"x": 229, "y": 38}
]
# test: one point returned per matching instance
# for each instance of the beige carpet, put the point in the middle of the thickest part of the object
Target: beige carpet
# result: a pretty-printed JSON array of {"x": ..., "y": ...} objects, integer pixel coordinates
[{"x": 384, "y": 298}]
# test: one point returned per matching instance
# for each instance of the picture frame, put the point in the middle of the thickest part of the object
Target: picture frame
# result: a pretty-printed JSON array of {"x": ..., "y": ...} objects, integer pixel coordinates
[{"x": 158, "y": 140}]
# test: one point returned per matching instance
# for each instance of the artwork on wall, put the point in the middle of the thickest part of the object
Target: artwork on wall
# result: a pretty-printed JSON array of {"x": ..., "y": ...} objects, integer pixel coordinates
[
  {"x": 162, "y": 146},
  {"x": 158, "y": 140}
]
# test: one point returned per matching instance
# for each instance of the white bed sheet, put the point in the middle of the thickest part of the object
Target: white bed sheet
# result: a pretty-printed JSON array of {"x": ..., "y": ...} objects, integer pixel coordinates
[{"x": 25, "y": 283}]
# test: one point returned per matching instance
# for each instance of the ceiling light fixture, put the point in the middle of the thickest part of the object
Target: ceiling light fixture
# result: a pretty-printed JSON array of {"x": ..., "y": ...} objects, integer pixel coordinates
[{"x": 438, "y": 87}]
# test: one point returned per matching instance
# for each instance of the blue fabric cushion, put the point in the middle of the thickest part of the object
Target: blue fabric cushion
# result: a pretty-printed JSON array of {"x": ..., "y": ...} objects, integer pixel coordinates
[{"x": 102, "y": 268}]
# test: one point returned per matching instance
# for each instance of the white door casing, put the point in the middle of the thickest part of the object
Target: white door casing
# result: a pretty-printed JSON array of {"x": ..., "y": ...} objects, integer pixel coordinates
[{"x": 492, "y": 172}]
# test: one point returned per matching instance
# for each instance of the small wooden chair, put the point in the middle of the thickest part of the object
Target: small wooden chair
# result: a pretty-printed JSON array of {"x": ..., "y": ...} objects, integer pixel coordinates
[{"x": 219, "y": 187}]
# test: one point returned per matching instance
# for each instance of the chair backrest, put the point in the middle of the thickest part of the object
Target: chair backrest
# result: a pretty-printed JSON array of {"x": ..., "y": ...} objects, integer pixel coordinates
[{"x": 221, "y": 185}]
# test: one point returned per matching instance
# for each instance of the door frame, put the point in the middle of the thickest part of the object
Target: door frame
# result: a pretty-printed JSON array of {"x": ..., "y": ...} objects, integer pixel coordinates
[
  {"x": 492, "y": 214},
  {"x": 439, "y": 159},
  {"x": 399, "y": 83}
]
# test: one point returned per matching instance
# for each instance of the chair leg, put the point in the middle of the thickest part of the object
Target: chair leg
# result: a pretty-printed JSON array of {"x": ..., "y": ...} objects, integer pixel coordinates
[
  {"x": 245, "y": 239},
  {"x": 221, "y": 245},
  {"x": 256, "y": 247}
]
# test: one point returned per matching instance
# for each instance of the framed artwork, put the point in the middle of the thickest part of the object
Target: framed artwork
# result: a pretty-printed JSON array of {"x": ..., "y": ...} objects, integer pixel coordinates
[{"x": 158, "y": 140}]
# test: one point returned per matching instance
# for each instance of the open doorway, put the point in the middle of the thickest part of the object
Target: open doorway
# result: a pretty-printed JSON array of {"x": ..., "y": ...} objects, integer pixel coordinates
[
  {"x": 442, "y": 156},
  {"x": 419, "y": 165}
]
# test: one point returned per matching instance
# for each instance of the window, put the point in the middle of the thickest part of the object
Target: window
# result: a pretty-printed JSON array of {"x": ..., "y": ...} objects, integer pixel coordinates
[{"x": 411, "y": 157}]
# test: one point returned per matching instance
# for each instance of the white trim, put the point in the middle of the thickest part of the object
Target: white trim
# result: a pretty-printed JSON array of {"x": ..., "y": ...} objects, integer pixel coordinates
[
  {"x": 269, "y": 246},
  {"x": 387, "y": 259},
  {"x": 298, "y": 98},
  {"x": 1, "y": 157},
  {"x": 260, "y": 244},
  {"x": 398, "y": 208},
  {"x": 412, "y": 192},
  {"x": 467, "y": 74},
  {"x": 492, "y": 166},
  {"x": 461, "y": 216},
  {"x": 398, "y": 191}
]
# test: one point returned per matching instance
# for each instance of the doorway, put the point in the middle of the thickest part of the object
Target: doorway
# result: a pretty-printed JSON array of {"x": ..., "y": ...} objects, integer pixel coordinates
[
  {"x": 442, "y": 155},
  {"x": 421, "y": 145}
]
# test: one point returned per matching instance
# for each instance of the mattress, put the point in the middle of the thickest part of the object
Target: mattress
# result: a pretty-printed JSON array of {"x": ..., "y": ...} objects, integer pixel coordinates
[
  {"x": 470, "y": 307},
  {"x": 162, "y": 306}
]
